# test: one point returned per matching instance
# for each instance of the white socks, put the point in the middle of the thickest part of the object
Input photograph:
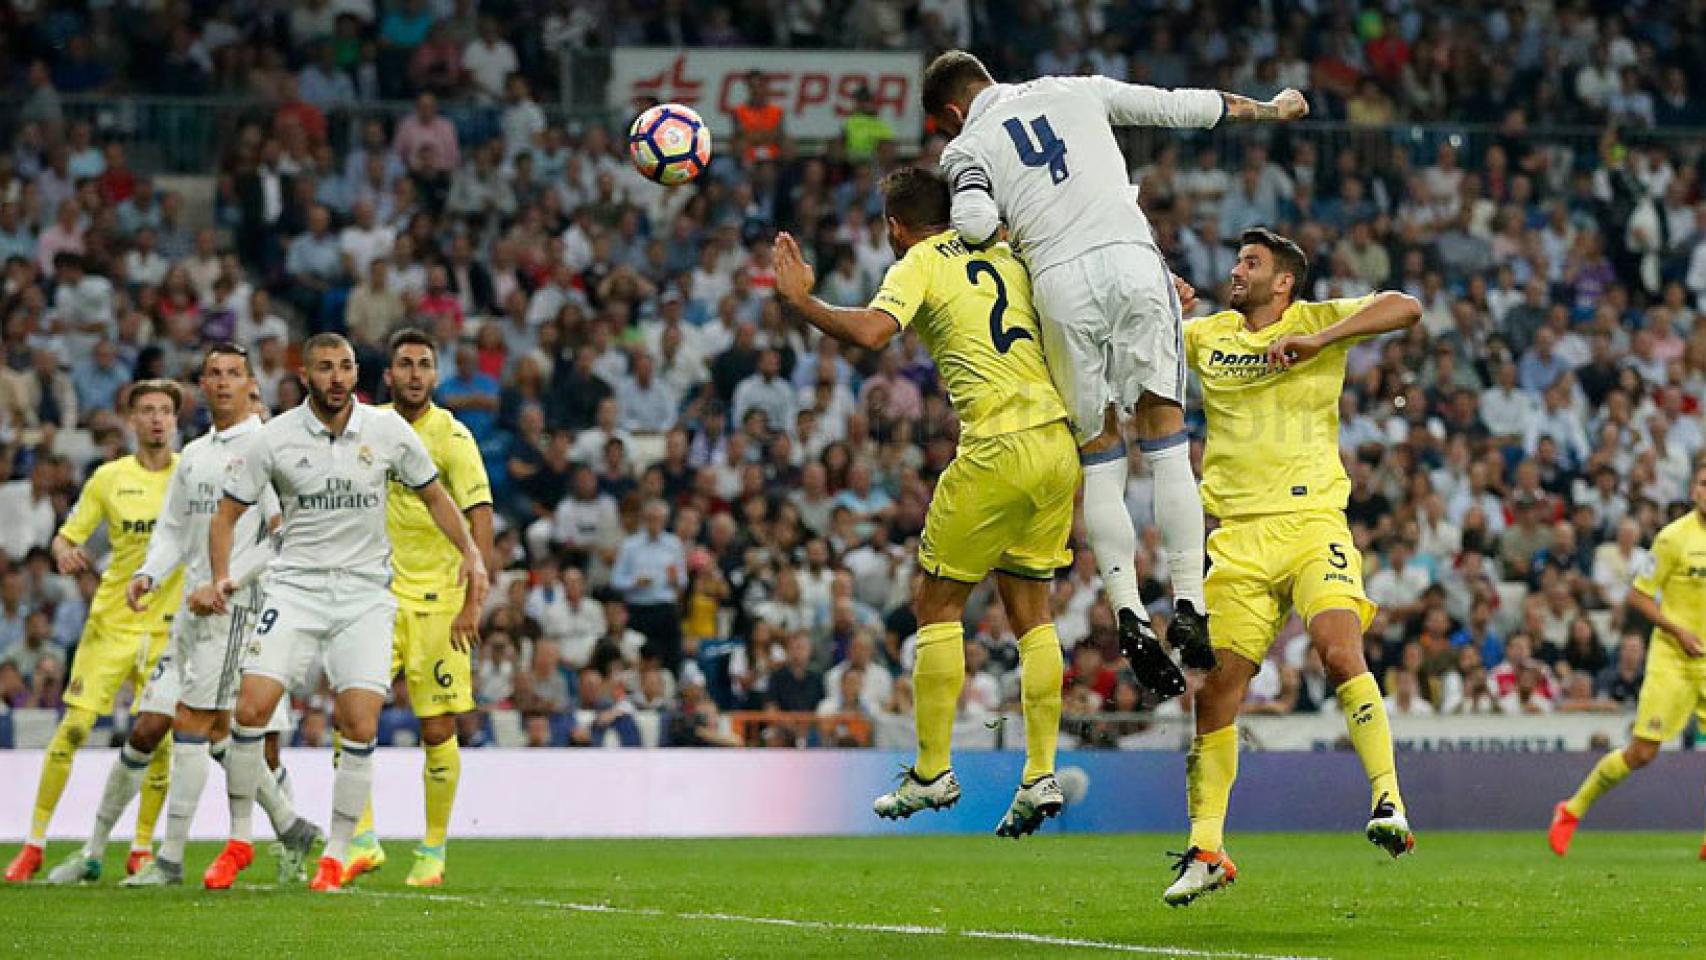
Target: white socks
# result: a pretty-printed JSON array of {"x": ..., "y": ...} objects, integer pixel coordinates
[
  {"x": 351, "y": 787},
  {"x": 245, "y": 767},
  {"x": 189, "y": 777},
  {"x": 1178, "y": 511},
  {"x": 124, "y": 782},
  {"x": 1108, "y": 525}
]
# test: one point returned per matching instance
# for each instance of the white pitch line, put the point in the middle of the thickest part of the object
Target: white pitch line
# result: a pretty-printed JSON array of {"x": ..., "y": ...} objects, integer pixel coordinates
[{"x": 1011, "y": 936}]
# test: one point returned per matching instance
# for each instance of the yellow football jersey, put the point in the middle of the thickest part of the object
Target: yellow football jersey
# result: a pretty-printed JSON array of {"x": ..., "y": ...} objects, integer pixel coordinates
[
  {"x": 1677, "y": 578},
  {"x": 423, "y": 561},
  {"x": 127, "y": 497},
  {"x": 1273, "y": 435},
  {"x": 972, "y": 309}
]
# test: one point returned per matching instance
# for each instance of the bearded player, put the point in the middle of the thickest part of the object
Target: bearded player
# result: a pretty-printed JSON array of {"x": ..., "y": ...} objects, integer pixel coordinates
[
  {"x": 1041, "y": 157},
  {"x": 437, "y": 625},
  {"x": 1272, "y": 370},
  {"x": 328, "y": 594},
  {"x": 118, "y": 644}
]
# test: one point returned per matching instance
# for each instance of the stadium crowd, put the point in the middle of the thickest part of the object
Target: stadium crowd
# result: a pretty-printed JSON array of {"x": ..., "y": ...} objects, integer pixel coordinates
[{"x": 704, "y": 509}]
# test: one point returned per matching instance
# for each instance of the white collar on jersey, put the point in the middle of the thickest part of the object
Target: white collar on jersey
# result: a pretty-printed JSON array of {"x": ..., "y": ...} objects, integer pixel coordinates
[
  {"x": 241, "y": 428},
  {"x": 982, "y": 101},
  {"x": 357, "y": 417}
]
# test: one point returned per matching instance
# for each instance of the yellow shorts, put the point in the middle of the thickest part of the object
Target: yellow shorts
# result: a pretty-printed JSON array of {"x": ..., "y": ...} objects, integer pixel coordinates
[
  {"x": 440, "y": 678},
  {"x": 1262, "y": 568},
  {"x": 105, "y": 659},
  {"x": 1675, "y": 687},
  {"x": 1004, "y": 503}
]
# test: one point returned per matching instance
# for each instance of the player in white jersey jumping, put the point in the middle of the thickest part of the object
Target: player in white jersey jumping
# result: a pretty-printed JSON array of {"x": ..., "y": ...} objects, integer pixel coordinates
[
  {"x": 194, "y": 686},
  {"x": 328, "y": 593},
  {"x": 1041, "y": 157}
]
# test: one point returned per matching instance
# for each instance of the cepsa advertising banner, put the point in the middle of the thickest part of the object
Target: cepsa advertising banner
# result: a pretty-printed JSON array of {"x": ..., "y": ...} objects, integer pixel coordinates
[{"x": 816, "y": 89}]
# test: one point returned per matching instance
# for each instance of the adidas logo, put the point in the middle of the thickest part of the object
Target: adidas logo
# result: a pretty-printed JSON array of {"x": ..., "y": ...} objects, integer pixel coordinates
[{"x": 303, "y": 464}]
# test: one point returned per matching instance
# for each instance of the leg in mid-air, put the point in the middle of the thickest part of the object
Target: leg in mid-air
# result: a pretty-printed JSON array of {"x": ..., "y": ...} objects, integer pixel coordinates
[
  {"x": 938, "y": 674},
  {"x": 1336, "y": 635},
  {"x": 1160, "y": 427},
  {"x": 1041, "y": 669},
  {"x": 138, "y": 761},
  {"x": 1210, "y": 769},
  {"x": 1113, "y": 540}
]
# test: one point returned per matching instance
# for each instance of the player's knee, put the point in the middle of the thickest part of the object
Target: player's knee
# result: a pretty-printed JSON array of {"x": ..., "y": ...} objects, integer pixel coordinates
[
  {"x": 1639, "y": 753},
  {"x": 251, "y": 714},
  {"x": 149, "y": 732},
  {"x": 358, "y": 729},
  {"x": 75, "y": 727},
  {"x": 437, "y": 730}
]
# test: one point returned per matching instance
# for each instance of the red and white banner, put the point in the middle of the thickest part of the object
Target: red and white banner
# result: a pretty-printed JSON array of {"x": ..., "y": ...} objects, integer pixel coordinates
[{"x": 815, "y": 88}]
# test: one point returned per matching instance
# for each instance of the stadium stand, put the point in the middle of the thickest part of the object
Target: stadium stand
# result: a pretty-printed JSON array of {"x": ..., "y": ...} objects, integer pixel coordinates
[{"x": 258, "y": 171}]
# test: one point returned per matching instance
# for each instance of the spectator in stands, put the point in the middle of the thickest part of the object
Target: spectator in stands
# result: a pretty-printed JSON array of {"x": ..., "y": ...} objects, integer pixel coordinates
[
  {"x": 795, "y": 687},
  {"x": 1523, "y": 684},
  {"x": 648, "y": 404},
  {"x": 98, "y": 378},
  {"x": 650, "y": 573},
  {"x": 314, "y": 266},
  {"x": 469, "y": 393},
  {"x": 489, "y": 61},
  {"x": 14, "y": 610},
  {"x": 1620, "y": 682},
  {"x": 425, "y": 141},
  {"x": 758, "y": 122}
]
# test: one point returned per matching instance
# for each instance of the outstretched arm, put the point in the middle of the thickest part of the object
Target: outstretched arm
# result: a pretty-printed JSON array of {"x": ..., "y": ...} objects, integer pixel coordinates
[
  {"x": 1383, "y": 313},
  {"x": 861, "y": 326},
  {"x": 1290, "y": 104},
  {"x": 1134, "y": 104}
]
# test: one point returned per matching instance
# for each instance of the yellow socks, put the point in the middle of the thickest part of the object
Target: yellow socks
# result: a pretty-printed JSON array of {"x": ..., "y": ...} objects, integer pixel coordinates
[
  {"x": 154, "y": 786},
  {"x": 1607, "y": 773},
  {"x": 442, "y": 772},
  {"x": 73, "y": 732},
  {"x": 1040, "y": 672},
  {"x": 1210, "y": 769},
  {"x": 938, "y": 673},
  {"x": 1365, "y": 721}
]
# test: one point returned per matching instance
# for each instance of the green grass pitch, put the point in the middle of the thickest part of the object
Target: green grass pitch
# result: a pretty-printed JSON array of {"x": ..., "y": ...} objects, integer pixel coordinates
[{"x": 1306, "y": 895}]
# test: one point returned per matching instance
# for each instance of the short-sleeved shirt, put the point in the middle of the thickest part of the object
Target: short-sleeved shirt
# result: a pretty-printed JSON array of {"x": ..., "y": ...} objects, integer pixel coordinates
[
  {"x": 179, "y": 542},
  {"x": 332, "y": 489},
  {"x": 1273, "y": 435},
  {"x": 1676, "y": 577},
  {"x": 972, "y": 309},
  {"x": 424, "y": 560},
  {"x": 127, "y": 497}
]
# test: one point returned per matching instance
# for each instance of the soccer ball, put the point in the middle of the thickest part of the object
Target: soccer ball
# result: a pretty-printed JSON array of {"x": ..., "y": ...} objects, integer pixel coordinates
[{"x": 669, "y": 144}]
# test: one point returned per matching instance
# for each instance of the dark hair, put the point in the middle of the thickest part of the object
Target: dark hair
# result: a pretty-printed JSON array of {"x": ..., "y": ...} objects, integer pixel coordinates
[
  {"x": 948, "y": 77},
  {"x": 325, "y": 341},
  {"x": 915, "y": 197},
  {"x": 226, "y": 348},
  {"x": 1288, "y": 256},
  {"x": 165, "y": 388},
  {"x": 411, "y": 337}
]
